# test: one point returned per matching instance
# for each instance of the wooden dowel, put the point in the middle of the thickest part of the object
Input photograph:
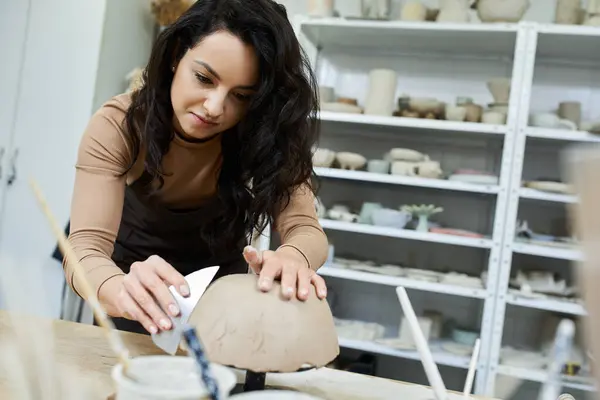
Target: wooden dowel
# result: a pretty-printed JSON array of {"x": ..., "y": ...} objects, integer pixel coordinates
[
  {"x": 89, "y": 294},
  {"x": 472, "y": 368},
  {"x": 431, "y": 369}
]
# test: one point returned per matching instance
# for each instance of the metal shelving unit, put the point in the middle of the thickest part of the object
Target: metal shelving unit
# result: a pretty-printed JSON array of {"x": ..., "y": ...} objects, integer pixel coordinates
[{"x": 521, "y": 43}]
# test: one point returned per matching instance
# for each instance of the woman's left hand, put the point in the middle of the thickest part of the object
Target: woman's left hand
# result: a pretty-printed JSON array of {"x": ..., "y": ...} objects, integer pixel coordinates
[{"x": 291, "y": 267}]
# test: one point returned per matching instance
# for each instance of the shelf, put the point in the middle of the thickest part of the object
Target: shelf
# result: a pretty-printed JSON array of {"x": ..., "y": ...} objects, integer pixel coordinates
[
  {"x": 562, "y": 134},
  {"x": 536, "y": 375},
  {"x": 548, "y": 304},
  {"x": 547, "y": 251},
  {"x": 404, "y": 36},
  {"x": 405, "y": 234},
  {"x": 569, "y": 42},
  {"x": 533, "y": 194},
  {"x": 406, "y": 180},
  {"x": 413, "y": 123},
  {"x": 360, "y": 276},
  {"x": 439, "y": 356}
]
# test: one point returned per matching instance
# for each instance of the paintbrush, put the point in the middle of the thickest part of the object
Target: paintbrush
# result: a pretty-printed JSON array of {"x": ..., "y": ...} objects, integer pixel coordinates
[
  {"x": 193, "y": 343},
  {"x": 88, "y": 293}
]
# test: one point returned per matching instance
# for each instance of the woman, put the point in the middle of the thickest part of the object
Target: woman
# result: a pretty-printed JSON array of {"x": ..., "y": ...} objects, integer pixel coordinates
[{"x": 176, "y": 176}]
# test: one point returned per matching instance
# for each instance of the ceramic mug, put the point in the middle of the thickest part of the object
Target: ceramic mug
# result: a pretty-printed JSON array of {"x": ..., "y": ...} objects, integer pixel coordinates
[
  {"x": 378, "y": 166},
  {"x": 168, "y": 378},
  {"x": 493, "y": 117},
  {"x": 550, "y": 120}
]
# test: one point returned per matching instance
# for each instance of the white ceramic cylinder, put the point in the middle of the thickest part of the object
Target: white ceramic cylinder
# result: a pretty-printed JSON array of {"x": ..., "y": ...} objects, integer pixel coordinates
[
  {"x": 320, "y": 8},
  {"x": 168, "y": 378},
  {"x": 567, "y": 12},
  {"x": 382, "y": 92}
]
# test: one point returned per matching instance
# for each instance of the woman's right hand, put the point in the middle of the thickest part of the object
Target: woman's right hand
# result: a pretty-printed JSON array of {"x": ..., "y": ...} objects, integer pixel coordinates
[{"x": 143, "y": 294}]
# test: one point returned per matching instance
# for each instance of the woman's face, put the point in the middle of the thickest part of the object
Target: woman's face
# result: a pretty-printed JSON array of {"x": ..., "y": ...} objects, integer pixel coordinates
[{"x": 213, "y": 85}]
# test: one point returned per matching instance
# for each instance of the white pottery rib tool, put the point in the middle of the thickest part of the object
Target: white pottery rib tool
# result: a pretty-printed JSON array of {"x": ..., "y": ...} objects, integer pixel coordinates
[
  {"x": 198, "y": 282},
  {"x": 431, "y": 369}
]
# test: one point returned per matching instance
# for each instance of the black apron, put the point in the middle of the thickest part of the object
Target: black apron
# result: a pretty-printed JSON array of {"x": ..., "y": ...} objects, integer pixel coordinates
[{"x": 149, "y": 228}]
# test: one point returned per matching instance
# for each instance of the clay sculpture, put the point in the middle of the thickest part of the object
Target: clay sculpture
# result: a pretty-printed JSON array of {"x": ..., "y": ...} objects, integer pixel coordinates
[{"x": 245, "y": 328}]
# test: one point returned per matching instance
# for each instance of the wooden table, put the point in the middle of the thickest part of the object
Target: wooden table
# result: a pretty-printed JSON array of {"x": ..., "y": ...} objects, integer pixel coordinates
[{"x": 81, "y": 351}]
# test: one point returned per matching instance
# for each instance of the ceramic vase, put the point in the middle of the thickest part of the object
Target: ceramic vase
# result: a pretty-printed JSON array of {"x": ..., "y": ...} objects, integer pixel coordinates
[{"x": 382, "y": 92}]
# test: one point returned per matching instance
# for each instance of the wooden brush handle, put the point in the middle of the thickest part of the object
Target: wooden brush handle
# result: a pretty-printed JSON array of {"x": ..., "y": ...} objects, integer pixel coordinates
[{"x": 88, "y": 293}]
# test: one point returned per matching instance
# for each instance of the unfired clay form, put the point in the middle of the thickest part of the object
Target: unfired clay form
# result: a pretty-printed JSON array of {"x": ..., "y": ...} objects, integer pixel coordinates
[{"x": 243, "y": 327}]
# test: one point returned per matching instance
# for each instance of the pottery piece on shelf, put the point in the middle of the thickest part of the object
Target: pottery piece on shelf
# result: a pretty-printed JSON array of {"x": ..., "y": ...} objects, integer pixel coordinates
[
  {"x": 549, "y": 186},
  {"x": 551, "y": 120},
  {"x": 501, "y": 10},
  {"x": 474, "y": 112},
  {"x": 472, "y": 177},
  {"x": 246, "y": 328},
  {"x": 429, "y": 169},
  {"x": 422, "y": 212},
  {"x": 390, "y": 218},
  {"x": 413, "y": 11},
  {"x": 465, "y": 337},
  {"x": 341, "y": 107},
  {"x": 323, "y": 158},
  {"x": 454, "y": 11},
  {"x": 341, "y": 213},
  {"x": 378, "y": 166},
  {"x": 499, "y": 87},
  {"x": 348, "y": 100},
  {"x": 320, "y": 8},
  {"x": 457, "y": 232},
  {"x": 493, "y": 117},
  {"x": 402, "y": 154},
  {"x": 375, "y": 9},
  {"x": 366, "y": 212},
  {"x": 455, "y": 113},
  {"x": 405, "y": 333},
  {"x": 326, "y": 94},
  {"x": 381, "y": 93},
  {"x": 432, "y": 14},
  {"x": 499, "y": 107},
  {"x": 351, "y": 161},
  {"x": 425, "y": 105},
  {"x": 570, "y": 110},
  {"x": 404, "y": 168},
  {"x": 567, "y": 12}
]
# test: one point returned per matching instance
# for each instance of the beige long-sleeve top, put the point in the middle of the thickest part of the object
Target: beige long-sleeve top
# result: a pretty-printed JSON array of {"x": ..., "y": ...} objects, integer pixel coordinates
[{"x": 103, "y": 172}]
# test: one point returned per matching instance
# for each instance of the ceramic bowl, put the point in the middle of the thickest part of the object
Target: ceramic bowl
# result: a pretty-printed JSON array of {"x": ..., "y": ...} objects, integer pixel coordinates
[
  {"x": 323, "y": 158},
  {"x": 390, "y": 218},
  {"x": 351, "y": 161},
  {"x": 424, "y": 105}
]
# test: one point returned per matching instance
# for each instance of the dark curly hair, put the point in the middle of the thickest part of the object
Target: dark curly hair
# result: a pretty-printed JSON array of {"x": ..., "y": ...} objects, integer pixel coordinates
[{"x": 269, "y": 153}]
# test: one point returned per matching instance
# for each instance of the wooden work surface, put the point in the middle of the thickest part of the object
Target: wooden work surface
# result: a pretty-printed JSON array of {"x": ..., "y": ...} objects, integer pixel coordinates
[{"x": 83, "y": 350}]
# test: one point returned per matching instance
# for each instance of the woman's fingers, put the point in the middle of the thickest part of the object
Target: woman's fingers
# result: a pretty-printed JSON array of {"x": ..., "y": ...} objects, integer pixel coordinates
[
  {"x": 143, "y": 297},
  {"x": 289, "y": 279},
  {"x": 253, "y": 258},
  {"x": 319, "y": 284},
  {"x": 270, "y": 270},
  {"x": 169, "y": 275},
  {"x": 159, "y": 290},
  {"x": 304, "y": 277},
  {"x": 131, "y": 310}
]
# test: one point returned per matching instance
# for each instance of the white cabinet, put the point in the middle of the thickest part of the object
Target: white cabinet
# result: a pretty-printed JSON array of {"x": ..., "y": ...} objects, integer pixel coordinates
[{"x": 75, "y": 55}]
